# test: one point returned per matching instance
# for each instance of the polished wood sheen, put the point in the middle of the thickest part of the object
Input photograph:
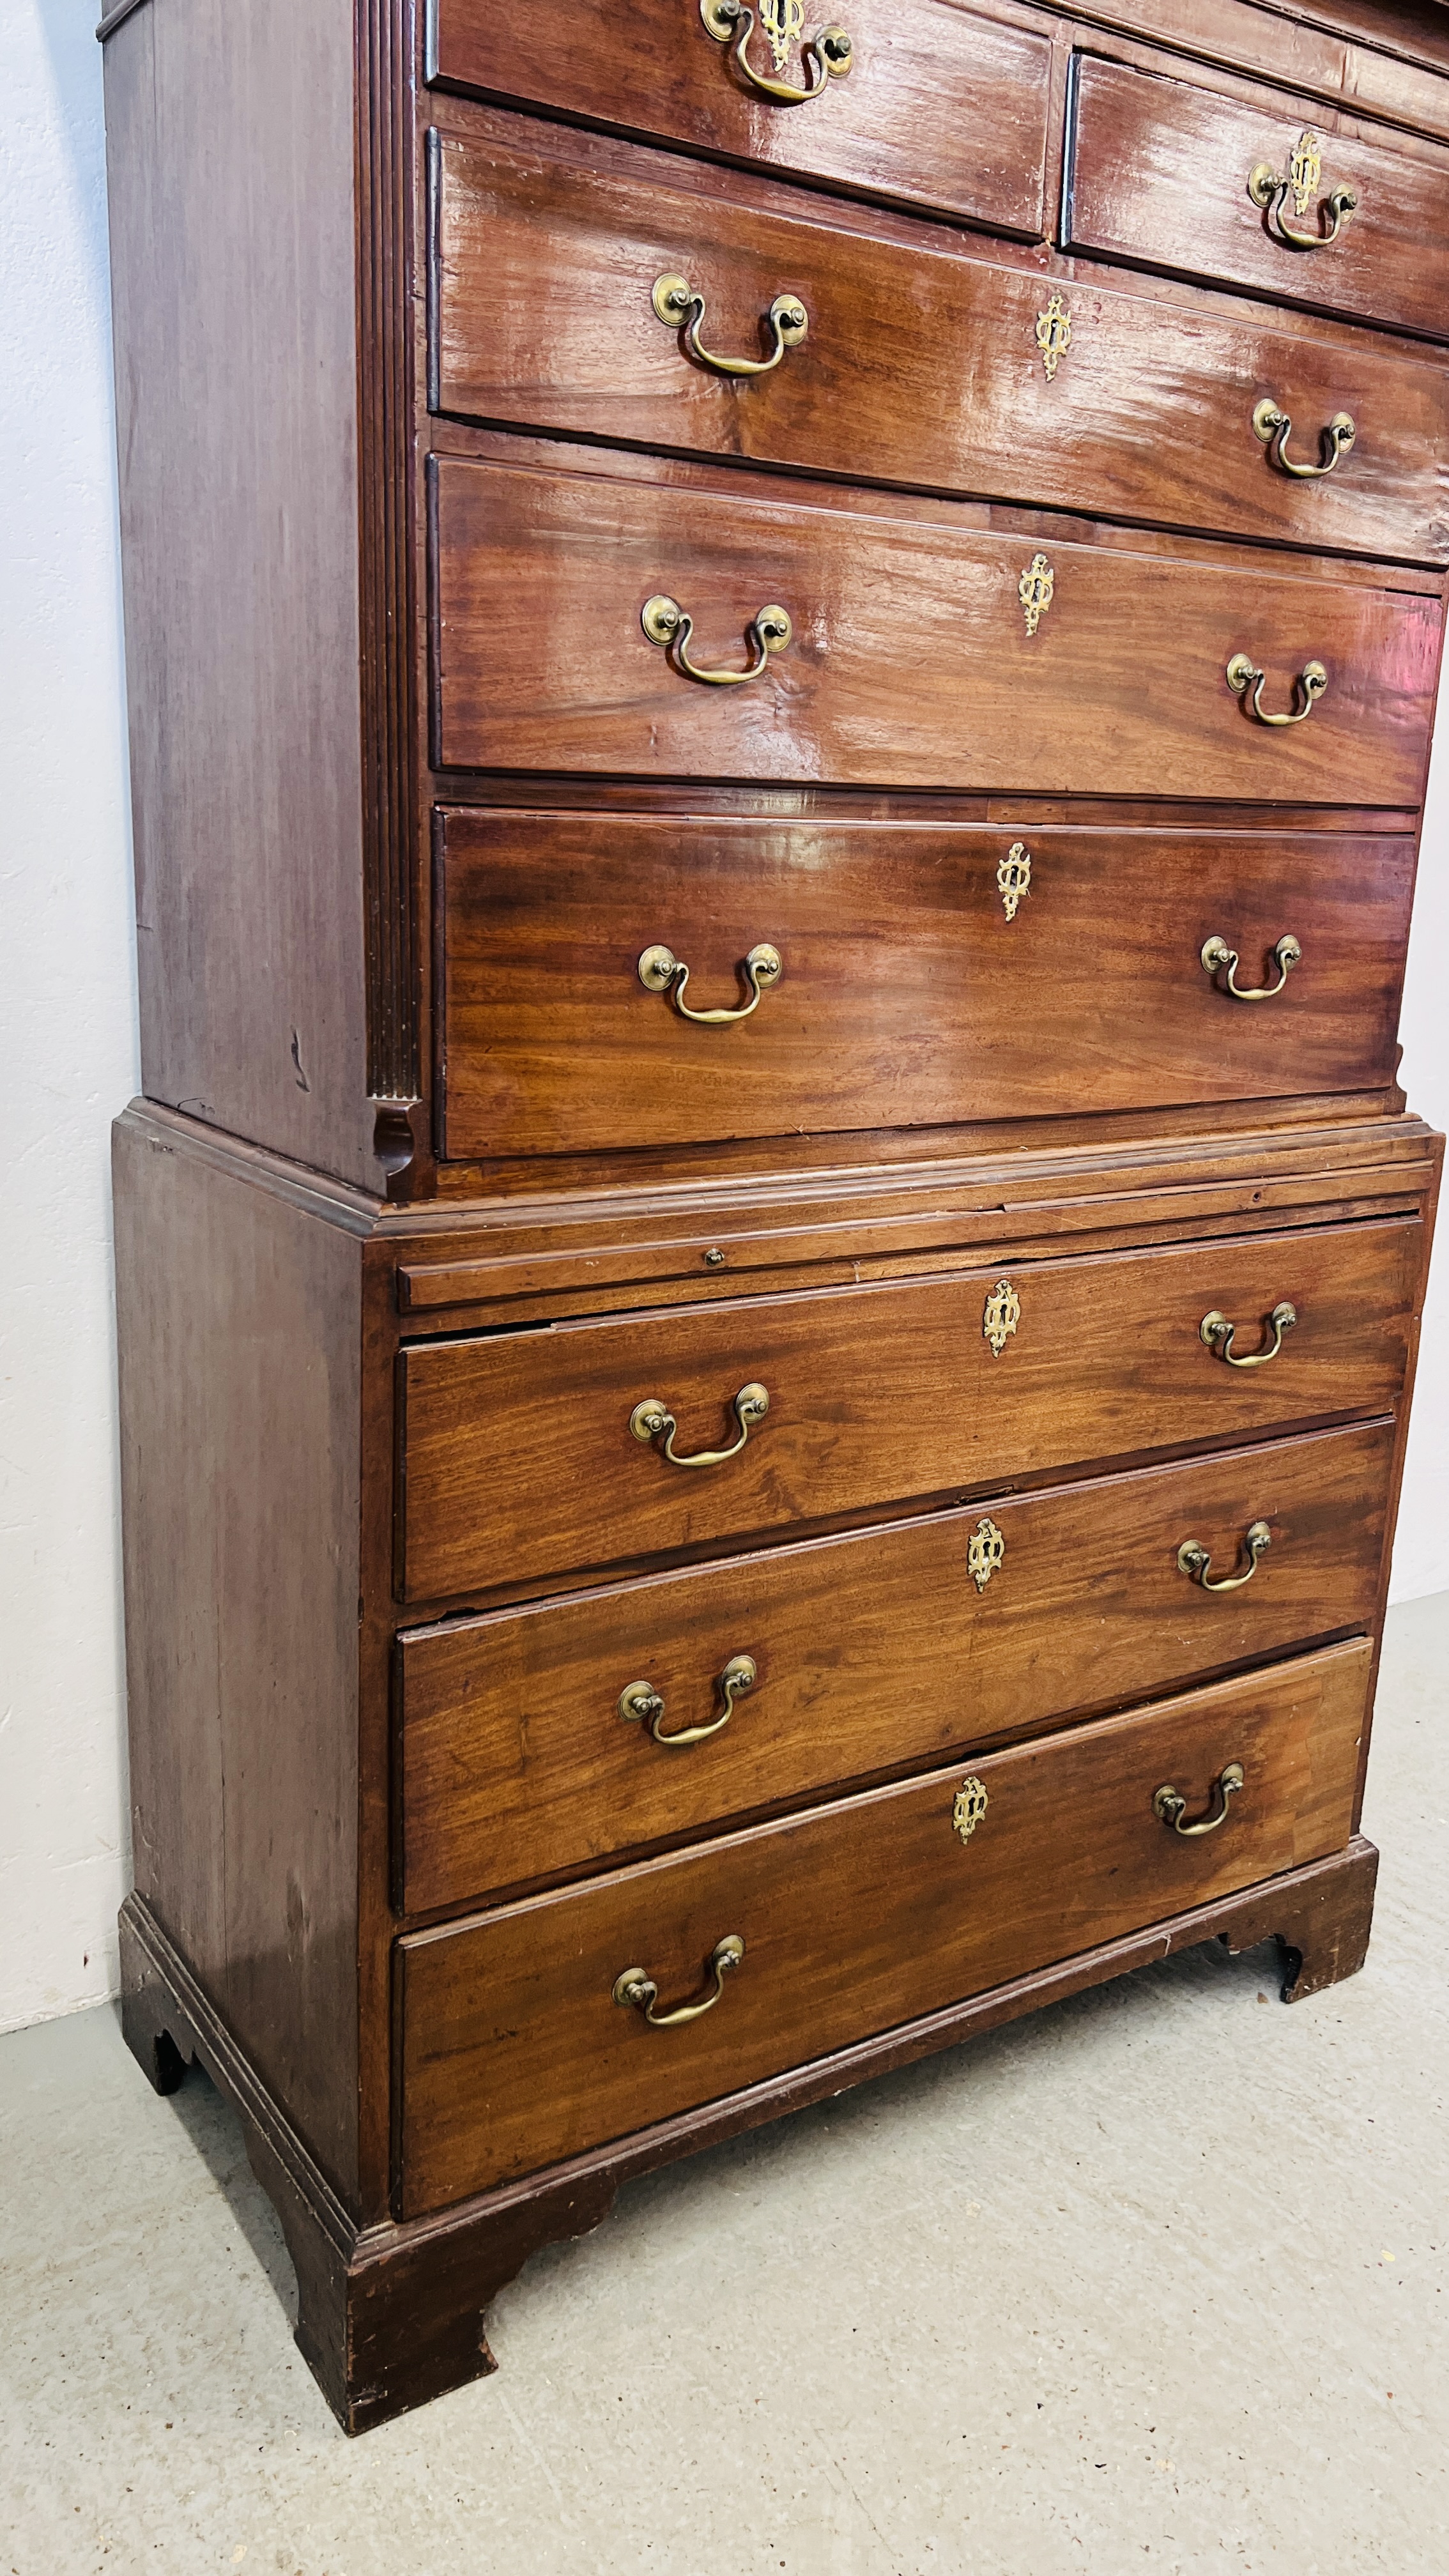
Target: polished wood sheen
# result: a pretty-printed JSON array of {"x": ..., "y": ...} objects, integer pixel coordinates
[
  {"x": 874, "y": 1653},
  {"x": 1157, "y": 174},
  {"x": 908, "y": 997},
  {"x": 853, "y": 1918},
  {"x": 517, "y": 1447},
  {"x": 431, "y": 1194},
  {"x": 943, "y": 106},
  {"x": 921, "y": 364},
  {"x": 911, "y": 664}
]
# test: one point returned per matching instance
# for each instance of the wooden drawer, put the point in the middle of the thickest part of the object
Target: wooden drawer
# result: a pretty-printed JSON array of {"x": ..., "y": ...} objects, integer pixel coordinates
[
  {"x": 1158, "y": 173},
  {"x": 940, "y": 107},
  {"x": 854, "y": 1918},
  {"x": 919, "y": 366},
  {"x": 871, "y": 1653},
  {"x": 915, "y": 990},
  {"x": 910, "y": 662},
  {"x": 519, "y": 1460}
]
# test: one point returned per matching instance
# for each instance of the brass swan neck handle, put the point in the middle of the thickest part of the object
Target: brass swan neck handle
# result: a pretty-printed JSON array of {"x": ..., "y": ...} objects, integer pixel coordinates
[
  {"x": 1274, "y": 426},
  {"x": 1194, "y": 1560},
  {"x": 641, "y": 1705},
  {"x": 652, "y": 1421},
  {"x": 1170, "y": 1809},
  {"x": 826, "y": 57},
  {"x": 1216, "y": 1331},
  {"x": 1243, "y": 674},
  {"x": 670, "y": 627},
  {"x": 1217, "y": 955},
  {"x": 660, "y": 971},
  {"x": 635, "y": 1987},
  {"x": 1305, "y": 168},
  {"x": 681, "y": 307}
]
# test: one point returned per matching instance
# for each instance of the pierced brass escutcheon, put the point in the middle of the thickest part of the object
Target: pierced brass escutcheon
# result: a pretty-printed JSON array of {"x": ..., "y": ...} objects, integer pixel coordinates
[
  {"x": 826, "y": 57},
  {"x": 669, "y": 626},
  {"x": 969, "y": 1806},
  {"x": 1244, "y": 674},
  {"x": 1194, "y": 1559},
  {"x": 1003, "y": 1314},
  {"x": 652, "y": 1420},
  {"x": 1217, "y": 1332},
  {"x": 1305, "y": 169},
  {"x": 636, "y": 1988},
  {"x": 1274, "y": 426},
  {"x": 681, "y": 307},
  {"x": 641, "y": 1705},
  {"x": 1035, "y": 590},
  {"x": 1053, "y": 334},
  {"x": 1217, "y": 955},
  {"x": 1170, "y": 1809},
  {"x": 1013, "y": 878},
  {"x": 660, "y": 971},
  {"x": 985, "y": 1553}
]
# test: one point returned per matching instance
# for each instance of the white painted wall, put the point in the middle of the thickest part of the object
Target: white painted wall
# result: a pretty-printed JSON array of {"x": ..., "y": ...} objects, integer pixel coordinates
[
  {"x": 67, "y": 1007},
  {"x": 71, "y": 1058}
]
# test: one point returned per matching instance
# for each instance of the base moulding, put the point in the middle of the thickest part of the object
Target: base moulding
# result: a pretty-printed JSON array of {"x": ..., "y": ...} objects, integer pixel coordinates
[{"x": 392, "y": 2315}]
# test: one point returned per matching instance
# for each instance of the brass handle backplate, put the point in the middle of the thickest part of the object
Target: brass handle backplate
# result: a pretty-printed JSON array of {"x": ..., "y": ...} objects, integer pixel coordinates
[
  {"x": 1243, "y": 674},
  {"x": 826, "y": 57},
  {"x": 653, "y": 1421},
  {"x": 1170, "y": 1808},
  {"x": 670, "y": 626},
  {"x": 635, "y": 1986},
  {"x": 660, "y": 971},
  {"x": 1305, "y": 169},
  {"x": 681, "y": 306},
  {"x": 1216, "y": 954},
  {"x": 1194, "y": 1559},
  {"x": 1217, "y": 1332},
  {"x": 1274, "y": 427},
  {"x": 641, "y": 1705}
]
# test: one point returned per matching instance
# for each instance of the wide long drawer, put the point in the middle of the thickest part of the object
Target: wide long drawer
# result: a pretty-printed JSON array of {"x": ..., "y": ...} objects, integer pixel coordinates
[
  {"x": 921, "y": 652},
  {"x": 932, "y": 104},
  {"x": 852, "y": 1919},
  {"x": 926, "y": 974},
  {"x": 918, "y": 364},
  {"x": 1179, "y": 177},
  {"x": 543, "y": 1452},
  {"x": 539, "y": 1740}
]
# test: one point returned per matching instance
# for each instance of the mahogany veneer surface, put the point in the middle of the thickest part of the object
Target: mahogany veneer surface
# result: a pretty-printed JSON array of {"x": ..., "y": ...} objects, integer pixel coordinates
[
  {"x": 921, "y": 364},
  {"x": 430, "y": 1194},
  {"x": 911, "y": 663},
  {"x": 515, "y": 2053},
  {"x": 909, "y": 996},
  {"x": 943, "y": 106}
]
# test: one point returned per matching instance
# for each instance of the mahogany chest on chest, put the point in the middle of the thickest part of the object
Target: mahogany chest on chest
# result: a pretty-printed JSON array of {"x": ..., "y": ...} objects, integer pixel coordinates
[{"x": 781, "y": 675}]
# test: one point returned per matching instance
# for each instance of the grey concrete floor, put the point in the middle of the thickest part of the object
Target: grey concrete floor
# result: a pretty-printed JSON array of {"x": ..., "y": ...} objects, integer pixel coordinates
[{"x": 1155, "y": 2280}]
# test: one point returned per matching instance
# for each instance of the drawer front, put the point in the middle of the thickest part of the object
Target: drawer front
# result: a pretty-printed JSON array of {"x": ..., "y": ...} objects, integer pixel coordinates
[
  {"x": 919, "y": 366},
  {"x": 939, "y": 107},
  {"x": 854, "y": 1919},
  {"x": 929, "y": 974},
  {"x": 869, "y": 1653},
  {"x": 910, "y": 662},
  {"x": 519, "y": 1458},
  {"x": 1158, "y": 172}
]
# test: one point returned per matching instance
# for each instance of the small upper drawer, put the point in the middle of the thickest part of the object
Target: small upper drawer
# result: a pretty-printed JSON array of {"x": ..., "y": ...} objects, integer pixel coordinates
[
  {"x": 1176, "y": 177},
  {"x": 919, "y": 365},
  {"x": 916, "y": 651},
  {"x": 532, "y": 1453},
  {"x": 927, "y": 975},
  {"x": 519, "y": 2048},
  {"x": 925, "y": 102},
  {"x": 782, "y": 1675}
]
